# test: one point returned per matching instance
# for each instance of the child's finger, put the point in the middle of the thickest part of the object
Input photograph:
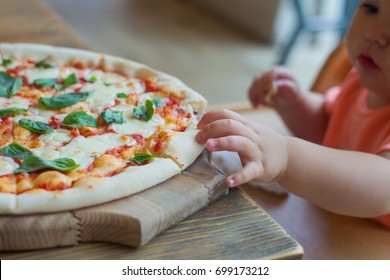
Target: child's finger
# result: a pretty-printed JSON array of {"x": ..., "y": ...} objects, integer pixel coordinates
[
  {"x": 282, "y": 73},
  {"x": 225, "y": 127},
  {"x": 246, "y": 148},
  {"x": 220, "y": 114},
  {"x": 259, "y": 87},
  {"x": 250, "y": 171},
  {"x": 287, "y": 93}
]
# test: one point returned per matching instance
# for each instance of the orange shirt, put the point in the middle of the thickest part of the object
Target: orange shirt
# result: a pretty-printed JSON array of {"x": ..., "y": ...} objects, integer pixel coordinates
[{"x": 353, "y": 126}]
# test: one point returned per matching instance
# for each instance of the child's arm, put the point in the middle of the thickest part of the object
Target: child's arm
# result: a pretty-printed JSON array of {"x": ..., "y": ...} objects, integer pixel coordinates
[
  {"x": 344, "y": 182},
  {"x": 303, "y": 113}
]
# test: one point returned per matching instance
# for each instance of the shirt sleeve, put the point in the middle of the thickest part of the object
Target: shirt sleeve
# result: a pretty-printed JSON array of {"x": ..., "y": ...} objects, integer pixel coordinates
[{"x": 332, "y": 94}]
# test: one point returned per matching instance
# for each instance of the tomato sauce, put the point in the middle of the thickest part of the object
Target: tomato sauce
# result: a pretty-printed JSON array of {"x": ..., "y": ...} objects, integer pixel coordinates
[
  {"x": 150, "y": 86},
  {"x": 54, "y": 122},
  {"x": 116, "y": 152},
  {"x": 138, "y": 138}
]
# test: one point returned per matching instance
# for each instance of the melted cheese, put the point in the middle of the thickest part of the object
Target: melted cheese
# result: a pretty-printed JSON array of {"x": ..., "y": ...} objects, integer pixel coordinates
[
  {"x": 136, "y": 86},
  {"x": 14, "y": 101},
  {"x": 104, "y": 76},
  {"x": 103, "y": 96},
  {"x": 29, "y": 115},
  {"x": 142, "y": 98},
  {"x": 107, "y": 86},
  {"x": 135, "y": 126},
  {"x": 13, "y": 64},
  {"x": 56, "y": 139},
  {"x": 7, "y": 165},
  {"x": 40, "y": 73},
  {"x": 84, "y": 150}
]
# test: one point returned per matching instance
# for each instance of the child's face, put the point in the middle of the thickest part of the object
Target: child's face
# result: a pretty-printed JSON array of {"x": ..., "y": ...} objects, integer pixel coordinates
[{"x": 368, "y": 45}]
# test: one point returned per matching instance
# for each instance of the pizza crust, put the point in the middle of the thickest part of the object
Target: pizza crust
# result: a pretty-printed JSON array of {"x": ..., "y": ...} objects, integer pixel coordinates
[
  {"x": 183, "y": 148},
  {"x": 90, "y": 191},
  {"x": 8, "y": 203}
]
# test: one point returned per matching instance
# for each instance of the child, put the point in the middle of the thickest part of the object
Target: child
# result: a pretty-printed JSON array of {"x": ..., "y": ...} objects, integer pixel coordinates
[{"x": 340, "y": 159}]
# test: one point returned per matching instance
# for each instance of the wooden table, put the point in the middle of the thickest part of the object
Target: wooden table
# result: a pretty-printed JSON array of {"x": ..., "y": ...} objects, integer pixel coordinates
[{"x": 233, "y": 227}]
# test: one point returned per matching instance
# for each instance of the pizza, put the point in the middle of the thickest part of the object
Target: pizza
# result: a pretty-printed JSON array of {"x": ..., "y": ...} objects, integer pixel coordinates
[{"x": 79, "y": 128}]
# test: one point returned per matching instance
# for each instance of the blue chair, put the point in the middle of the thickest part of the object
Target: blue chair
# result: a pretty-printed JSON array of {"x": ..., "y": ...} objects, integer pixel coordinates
[{"x": 316, "y": 24}]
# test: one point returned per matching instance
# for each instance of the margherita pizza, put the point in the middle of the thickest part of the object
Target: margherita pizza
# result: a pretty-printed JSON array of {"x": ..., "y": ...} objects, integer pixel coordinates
[{"x": 80, "y": 128}]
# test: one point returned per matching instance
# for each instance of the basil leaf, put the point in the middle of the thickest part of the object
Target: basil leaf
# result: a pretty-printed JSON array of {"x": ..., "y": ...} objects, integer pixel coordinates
[
  {"x": 91, "y": 79},
  {"x": 45, "y": 64},
  {"x": 11, "y": 111},
  {"x": 45, "y": 82},
  {"x": 3, "y": 91},
  {"x": 6, "y": 80},
  {"x": 64, "y": 100},
  {"x": 70, "y": 80},
  {"x": 112, "y": 116},
  {"x": 15, "y": 150},
  {"x": 121, "y": 95},
  {"x": 6, "y": 62},
  {"x": 149, "y": 109},
  {"x": 9, "y": 85},
  {"x": 34, "y": 163},
  {"x": 144, "y": 112},
  {"x": 158, "y": 102},
  {"x": 16, "y": 86},
  {"x": 79, "y": 118},
  {"x": 141, "y": 158},
  {"x": 36, "y": 126}
]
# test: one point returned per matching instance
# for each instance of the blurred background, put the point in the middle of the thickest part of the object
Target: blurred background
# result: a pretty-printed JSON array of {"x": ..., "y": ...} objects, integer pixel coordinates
[{"x": 216, "y": 47}]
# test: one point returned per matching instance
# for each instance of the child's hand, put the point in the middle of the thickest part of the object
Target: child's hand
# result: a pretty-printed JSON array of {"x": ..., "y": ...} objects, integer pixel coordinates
[
  {"x": 262, "y": 151},
  {"x": 276, "y": 87}
]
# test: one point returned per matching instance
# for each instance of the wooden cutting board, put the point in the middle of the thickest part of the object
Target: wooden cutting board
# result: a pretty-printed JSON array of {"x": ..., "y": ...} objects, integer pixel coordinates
[{"x": 132, "y": 221}]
